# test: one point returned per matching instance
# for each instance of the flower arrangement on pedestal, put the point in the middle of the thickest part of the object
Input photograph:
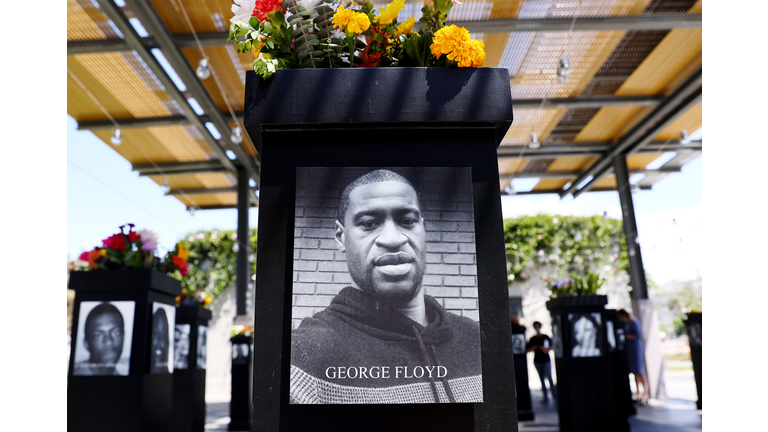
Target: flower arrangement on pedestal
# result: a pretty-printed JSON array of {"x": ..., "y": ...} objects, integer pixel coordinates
[
  {"x": 290, "y": 34},
  {"x": 576, "y": 284},
  {"x": 193, "y": 298},
  {"x": 241, "y": 330},
  {"x": 134, "y": 250}
]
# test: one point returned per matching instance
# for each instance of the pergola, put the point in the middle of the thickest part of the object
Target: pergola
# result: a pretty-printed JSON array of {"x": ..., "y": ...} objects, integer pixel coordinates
[{"x": 634, "y": 87}]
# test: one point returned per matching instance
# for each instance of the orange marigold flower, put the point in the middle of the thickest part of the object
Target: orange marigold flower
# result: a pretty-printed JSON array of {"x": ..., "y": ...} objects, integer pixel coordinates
[
  {"x": 455, "y": 42},
  {"x": 178, "y": 261}
]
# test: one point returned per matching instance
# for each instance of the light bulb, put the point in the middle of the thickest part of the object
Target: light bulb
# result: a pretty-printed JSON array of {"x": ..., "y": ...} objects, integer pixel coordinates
[
  {"x": 237, "y": 135},
  {"x": 191, "y": 211},
  {"x": 564, "y": 71},
  {"x": 510, "y": 190},
  {"x": 685, "y": 137},
  {"x": 166, "y": 187},
  {"x": 534, "y": 143},
  {"x": 634, "y": 188},
  {"x": 203, "y": 71},
  {"x": 117, "y": 137}
]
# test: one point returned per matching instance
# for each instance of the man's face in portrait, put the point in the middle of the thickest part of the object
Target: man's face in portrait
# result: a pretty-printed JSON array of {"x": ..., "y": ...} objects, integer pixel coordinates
[
  {"x": 104, "y": 338},
  {"x": 384, "y": 240},
  {"x": 584, "y": 332},
  {"x": 159, "y": 345}
]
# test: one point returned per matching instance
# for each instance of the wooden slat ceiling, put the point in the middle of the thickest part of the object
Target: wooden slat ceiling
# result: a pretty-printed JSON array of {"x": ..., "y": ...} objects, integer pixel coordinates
[{"x": 118, "y": 85}]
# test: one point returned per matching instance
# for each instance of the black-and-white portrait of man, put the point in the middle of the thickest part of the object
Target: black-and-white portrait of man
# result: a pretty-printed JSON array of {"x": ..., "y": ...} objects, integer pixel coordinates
[
  {"x": 181, "y": 346},
  {"x": 240, "y": 353},
  {"x": 104, "y": 337},
  {"x": 518, "y": 343},
  {"x": 609, "y": 333},
  {"x": 161, "y": 348},
  {"x": 202, "y": 346},
  {"x": 385, "y": 289},
  {"x": 585, "y": 334},
  {"x": 557, "y": 338}
]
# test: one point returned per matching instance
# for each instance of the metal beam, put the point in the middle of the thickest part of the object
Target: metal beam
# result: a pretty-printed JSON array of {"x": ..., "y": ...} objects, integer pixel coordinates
[
  {"x": 554, "y": 191},
  {"x": 591, "y": 149},
  {"x": 242, "y": 267},
  {"x": 631, "y": 22},
  {"x": 570, "y": 174},
  {"x": 154, "y": 25},
  {"x": 179, "y": 168},
  {"x": 183, "y": 40},
  {"x": 134, "y": 41},
  {"x": 201, "y": 191},
  {"x": 586, "y": 102},
  {"x": 682, "y": 98}
]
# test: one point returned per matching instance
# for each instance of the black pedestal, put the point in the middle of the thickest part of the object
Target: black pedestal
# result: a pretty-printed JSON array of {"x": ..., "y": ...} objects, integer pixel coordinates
[
  {"x": 138, "y": 401},
  {"x": 693, "y": 327},
  {"x": 240, "y": 405},
  {"x": 188, "y": 376},
  {"x": 522, "y": 391},
  {"x": 586, "y": 389},
  {"x": 616, "y": 350},
  {"x": 378, "y": 117}
]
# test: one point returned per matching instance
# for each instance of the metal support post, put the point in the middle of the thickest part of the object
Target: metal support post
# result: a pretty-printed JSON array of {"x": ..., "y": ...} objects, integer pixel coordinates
[
  {"x": 243, "y": 240},
  {"x": 636, "y": 270}
]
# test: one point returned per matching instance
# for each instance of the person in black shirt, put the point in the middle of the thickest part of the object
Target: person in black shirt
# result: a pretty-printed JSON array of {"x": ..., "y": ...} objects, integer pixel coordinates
[{"x": 541, "y": 344}]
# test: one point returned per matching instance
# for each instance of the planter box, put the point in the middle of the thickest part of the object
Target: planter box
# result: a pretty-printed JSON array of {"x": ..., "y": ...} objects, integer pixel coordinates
[
  {"x": 138, "y": 401},
  {"x": 693, "y": 326},
  {"x": 189, "y": 383},
  {"x": 580, "y": 301},
  {"x": 586, "y": 369},
  {"x": 409, "y": 118}
]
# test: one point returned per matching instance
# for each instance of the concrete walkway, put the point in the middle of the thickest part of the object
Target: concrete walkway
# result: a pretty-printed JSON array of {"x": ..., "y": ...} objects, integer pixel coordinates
[{"x": 676, "y": 414}]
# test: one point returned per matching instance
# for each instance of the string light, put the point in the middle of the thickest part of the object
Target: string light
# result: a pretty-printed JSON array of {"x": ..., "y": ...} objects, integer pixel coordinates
[
  {"x": 685, "y": 137},
  {"x": 534, "y": 143},
  {"x": 564, "y": 71},
  {"x": 237, "y": 135},
  {"x": 117, "y": 137},
  {"x": 203, "y": 71},
  {"x": 510, "y": 190},
  {"x": 166, "y": 187},
  {"x": 191, "y": 211}
]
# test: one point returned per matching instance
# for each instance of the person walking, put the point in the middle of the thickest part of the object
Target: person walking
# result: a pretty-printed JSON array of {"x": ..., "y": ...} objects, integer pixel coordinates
[
  {"x": 635, "y": 353},
  {"x": 541, "y": 344}
]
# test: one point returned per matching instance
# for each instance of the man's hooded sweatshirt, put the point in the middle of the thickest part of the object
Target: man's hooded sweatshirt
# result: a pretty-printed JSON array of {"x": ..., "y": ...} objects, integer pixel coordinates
[{"x": 362, "y": 350}]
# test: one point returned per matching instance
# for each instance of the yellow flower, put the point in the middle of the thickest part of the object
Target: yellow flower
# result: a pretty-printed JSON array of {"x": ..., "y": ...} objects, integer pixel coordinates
[
  {"x": 208, "y": 300},
  {"x": 183, "y": 252},
  {"x": 390, "y": 14},
  {"x": 103, "y": 252},
  {"x": 256, "y": 50},
  {"x": 351, "y": 21},
  {"x": 406, "y": 27},
  {"x": 459, "y": 47}
]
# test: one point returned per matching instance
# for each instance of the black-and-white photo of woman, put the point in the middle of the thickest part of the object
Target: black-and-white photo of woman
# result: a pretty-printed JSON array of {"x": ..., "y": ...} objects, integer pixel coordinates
[
  {"x": 181, "y": 347},
  {"x": 585, "y": 331},
  {"x": 161, "y": 350}
]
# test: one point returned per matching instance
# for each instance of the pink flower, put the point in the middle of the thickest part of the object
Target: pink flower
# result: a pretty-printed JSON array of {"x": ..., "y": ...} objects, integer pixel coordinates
[{"x": 184, "y": 269}]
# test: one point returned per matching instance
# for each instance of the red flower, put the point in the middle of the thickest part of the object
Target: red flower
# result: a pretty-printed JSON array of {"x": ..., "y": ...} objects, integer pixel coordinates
[
  {"x": 116, "y": 241},
  {"x": 370, "y": 59},
  {"x": 265, "y": 7},
  {"x": 133, "y": 236}
]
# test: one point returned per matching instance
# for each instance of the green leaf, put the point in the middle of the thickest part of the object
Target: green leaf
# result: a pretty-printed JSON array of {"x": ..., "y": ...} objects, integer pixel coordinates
[{"x": 254, "y": 22}]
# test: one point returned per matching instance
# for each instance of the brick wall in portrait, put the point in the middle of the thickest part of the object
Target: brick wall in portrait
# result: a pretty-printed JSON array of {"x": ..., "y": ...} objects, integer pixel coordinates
[{"x": 320, "y": 270}]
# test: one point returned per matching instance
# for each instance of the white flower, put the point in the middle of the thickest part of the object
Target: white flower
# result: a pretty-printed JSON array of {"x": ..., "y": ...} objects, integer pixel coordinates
[
  {"x": 309, "y": 4},
  {"x": 146, "y": 234},
  {"x": 243, "y": 9}
]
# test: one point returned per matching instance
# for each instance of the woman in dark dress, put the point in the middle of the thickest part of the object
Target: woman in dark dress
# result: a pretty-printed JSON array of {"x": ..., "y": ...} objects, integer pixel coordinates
[{"x": 635, "y": 353}]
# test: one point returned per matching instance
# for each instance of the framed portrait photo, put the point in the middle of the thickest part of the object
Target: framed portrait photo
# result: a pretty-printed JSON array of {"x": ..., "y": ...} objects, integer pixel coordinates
[
  {"x": 105, "y": 334},
  {"x": 181, "y": 346},
  {"x": 385, "y": 287},
  {"x": 161, "y": 356}
]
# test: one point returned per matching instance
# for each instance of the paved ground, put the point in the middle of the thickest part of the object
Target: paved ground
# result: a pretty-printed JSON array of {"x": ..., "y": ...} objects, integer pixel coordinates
[{"x": 676, "y": 414}]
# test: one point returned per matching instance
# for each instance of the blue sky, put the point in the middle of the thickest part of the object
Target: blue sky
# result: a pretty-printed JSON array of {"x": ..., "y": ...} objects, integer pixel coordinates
[{"x": 103, "y": 193}]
